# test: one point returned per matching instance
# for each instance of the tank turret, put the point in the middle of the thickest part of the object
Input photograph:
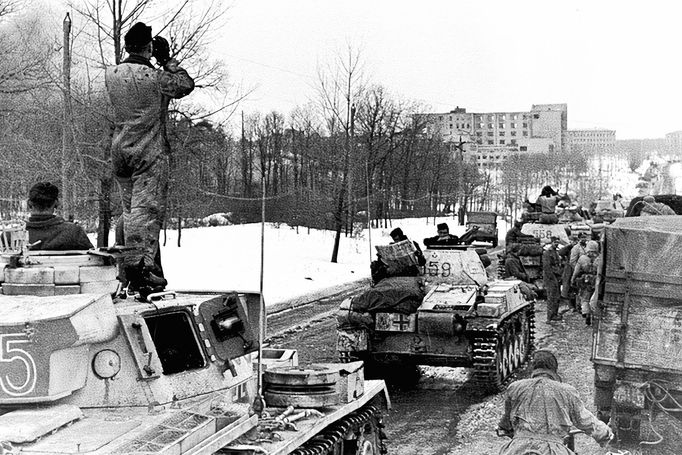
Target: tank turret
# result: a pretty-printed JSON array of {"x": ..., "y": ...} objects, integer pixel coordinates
[{"x": 75, "y": 358}]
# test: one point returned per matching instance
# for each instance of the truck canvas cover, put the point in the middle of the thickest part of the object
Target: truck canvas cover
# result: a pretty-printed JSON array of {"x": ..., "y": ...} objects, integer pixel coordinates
[{"x": 641, "y": 320}]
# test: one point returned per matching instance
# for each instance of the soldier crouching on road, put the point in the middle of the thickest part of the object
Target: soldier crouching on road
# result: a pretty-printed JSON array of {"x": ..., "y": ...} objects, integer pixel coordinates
[
  {"x": 140, "y": 151},
  {"x": 541, "y": 410}
]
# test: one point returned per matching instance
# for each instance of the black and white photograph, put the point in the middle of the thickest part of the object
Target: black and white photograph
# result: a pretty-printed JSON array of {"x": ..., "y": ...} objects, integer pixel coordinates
[{"x": 316, "y": 227}]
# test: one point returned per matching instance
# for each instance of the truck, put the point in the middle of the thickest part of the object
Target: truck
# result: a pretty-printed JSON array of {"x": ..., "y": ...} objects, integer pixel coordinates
[
  {"x": 637, "y": 343},
  {"x": 449, "y": 316},
  {"x": 86, "y": 371}
]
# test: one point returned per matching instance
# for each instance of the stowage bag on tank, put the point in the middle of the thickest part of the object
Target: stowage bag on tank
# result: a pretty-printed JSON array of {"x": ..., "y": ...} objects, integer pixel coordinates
[
  {"x": 530, "y": 250},
  {"x": 400, "y": 294}
]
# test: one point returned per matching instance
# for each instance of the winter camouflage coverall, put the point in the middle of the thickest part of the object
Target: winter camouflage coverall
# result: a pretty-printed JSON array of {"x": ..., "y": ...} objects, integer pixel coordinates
[
  {"x": 585, "y": 277},
  {"x": 140, "y": 94},
  {"x": 542, "y": 410},
  {"x": 551, "y": 273}
]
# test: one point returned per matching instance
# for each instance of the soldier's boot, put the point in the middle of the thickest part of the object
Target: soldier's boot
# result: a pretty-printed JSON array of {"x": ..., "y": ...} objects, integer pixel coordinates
[{"x": 144, "y": 280}]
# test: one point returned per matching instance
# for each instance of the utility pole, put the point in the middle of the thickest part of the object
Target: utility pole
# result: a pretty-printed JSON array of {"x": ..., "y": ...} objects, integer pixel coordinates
[
  {"x": 67, "y": 119},
  {"x": 351, "y": 149}
]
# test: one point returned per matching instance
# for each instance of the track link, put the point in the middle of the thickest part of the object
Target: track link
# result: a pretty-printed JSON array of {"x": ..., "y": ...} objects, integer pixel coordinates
[
  {"x": 355, "y": 429},
  {"x": 495, "y": 352}
]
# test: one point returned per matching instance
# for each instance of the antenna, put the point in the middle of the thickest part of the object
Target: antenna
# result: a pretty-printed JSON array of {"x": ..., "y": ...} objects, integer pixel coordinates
[{"x": 258, "y": 405}]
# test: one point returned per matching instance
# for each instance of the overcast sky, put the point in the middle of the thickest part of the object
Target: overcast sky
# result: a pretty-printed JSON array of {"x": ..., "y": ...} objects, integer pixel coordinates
[{"x": 615, "y": 63}]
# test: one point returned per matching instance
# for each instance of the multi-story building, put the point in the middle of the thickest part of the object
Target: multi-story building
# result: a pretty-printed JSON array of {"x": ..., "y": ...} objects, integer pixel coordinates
[
  {"x": 492, "y": 137},
  {"x": 595, "y": 141},
  {"x": 673, "y": 142}
]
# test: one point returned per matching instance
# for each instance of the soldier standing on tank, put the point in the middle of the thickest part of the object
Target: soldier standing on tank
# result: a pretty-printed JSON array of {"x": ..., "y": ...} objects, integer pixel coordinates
[
  {"x": 551, "y": 276},
  {"x": 585, "y": 277},
  {"x": 140, "y": 94}
]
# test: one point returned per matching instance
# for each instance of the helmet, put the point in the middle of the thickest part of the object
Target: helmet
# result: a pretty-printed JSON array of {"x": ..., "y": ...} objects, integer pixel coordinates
[{"x": 592, "y": 247}]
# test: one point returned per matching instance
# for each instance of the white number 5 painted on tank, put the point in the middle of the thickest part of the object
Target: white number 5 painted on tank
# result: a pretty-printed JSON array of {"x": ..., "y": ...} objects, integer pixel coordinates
[{"x": 13, "y": 356}]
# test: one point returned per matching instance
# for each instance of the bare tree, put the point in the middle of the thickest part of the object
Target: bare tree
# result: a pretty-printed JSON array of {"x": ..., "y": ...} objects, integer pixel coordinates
[{"x": 338, "y": 88}]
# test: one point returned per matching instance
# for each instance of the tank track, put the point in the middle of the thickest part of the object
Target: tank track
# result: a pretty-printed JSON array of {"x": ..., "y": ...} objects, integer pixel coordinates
[
  {"x": 353, "y": 427},
  {"x": 494, "y": 351}
]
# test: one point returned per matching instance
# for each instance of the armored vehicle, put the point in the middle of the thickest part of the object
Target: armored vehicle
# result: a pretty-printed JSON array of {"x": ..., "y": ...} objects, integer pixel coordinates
[
  {"x": 451, "y": 316},
  {"x": 637, "y": 347},
  {"x": 87, "y": 373}
]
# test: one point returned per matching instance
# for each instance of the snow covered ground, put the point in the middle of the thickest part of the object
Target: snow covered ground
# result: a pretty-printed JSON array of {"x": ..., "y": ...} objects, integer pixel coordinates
[{"x": 228, "y": 257}]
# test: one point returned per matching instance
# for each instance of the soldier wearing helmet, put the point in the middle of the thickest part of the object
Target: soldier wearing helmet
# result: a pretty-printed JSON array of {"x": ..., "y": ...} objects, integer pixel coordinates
[{"x": 585, "y": 276}]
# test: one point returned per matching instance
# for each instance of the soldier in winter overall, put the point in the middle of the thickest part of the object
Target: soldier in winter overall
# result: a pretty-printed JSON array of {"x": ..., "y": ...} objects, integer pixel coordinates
[
  {"x": 585, "y": 277},
  {"x": 140, "y": 152},
  {"x": 541, "y": 410}
]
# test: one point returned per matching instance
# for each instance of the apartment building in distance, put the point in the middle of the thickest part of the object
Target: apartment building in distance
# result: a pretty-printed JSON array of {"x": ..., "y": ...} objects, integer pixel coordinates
[
  {"x": 492, "y": 137},
  {"x": 673, "y": 142},
  {"x": 593, "y": 140},
  {"x": 600, "y": 146}
]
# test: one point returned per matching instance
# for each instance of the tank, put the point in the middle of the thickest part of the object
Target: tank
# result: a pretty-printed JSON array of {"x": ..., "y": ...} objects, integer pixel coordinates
[
  {"x": 449, "y": 316},
  {"x": 637, "y": 344},
  {"x": 87, "y": 372},
  {"x": 539, "y": 234}
]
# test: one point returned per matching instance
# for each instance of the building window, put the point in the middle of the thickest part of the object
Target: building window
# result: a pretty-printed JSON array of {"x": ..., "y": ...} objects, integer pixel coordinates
[
  {"x": 491, "y": 118},
  {"x": 501, "y": 133},
  {"x": 536, "y": 116},
  {"x": 514, "y": 125},
  {"x": 479, "y": 141},
  {"x": 525, "y": 125},
  {"x": 479, "y": 118},
  {"x": 501, "y": 125},
  {"x": 503, "y": 117},
  {"x": 451, "y": 126},
  {"x": 502, "y": 141},
  {"x": 440, "y": 117},
  {"x": 514, "y": 116},
  {"x": 490, "y": 133},
  {"x": 491, "y": 142},
  {"x": 468, "y": 126},
  {"x": 525, "y": 133},
  {"x": 513, "y": 142},
  {"x": 523, "y": 148},
  {"x": 491, "y": 125},
  {"x": 513, "y": 133},
  {"x": 478, "y": 133}
]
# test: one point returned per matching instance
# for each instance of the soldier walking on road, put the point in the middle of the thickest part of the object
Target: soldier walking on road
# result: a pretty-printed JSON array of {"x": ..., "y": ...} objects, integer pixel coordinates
[
  {"x": 585, "y": 277},
  {"x": 140, "y": 151},
  {"x": 551, "y": 274}
]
